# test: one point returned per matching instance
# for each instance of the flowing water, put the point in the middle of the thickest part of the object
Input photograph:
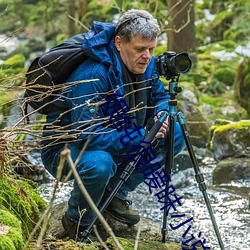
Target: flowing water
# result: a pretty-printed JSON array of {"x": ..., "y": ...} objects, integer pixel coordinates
[{"x": 230, "y": 204}]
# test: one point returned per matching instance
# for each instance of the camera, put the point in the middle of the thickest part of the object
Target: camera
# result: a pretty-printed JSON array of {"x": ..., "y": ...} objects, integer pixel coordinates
[{"x": 171, "y": 65}]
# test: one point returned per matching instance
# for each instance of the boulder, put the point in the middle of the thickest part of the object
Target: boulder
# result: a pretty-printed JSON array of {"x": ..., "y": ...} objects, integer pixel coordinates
[
  {"x": 231, "y": 169},
  {"x": 197, "y": 125},
  {"x": 150, "y": 235},
  {"x": 231, "y": 139}
]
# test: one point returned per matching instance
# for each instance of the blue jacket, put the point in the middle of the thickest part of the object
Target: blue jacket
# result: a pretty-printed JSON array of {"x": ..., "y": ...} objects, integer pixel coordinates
[{"x": 85, "y": 118}]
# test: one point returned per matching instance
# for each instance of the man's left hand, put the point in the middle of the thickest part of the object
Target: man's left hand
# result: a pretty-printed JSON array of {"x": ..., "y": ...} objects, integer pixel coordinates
[{"x": 164, "y": 128}]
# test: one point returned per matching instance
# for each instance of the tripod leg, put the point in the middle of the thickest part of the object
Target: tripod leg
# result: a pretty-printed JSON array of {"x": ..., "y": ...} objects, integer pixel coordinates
[
  {"x": 199, "y": 177},
  {"x": 168, "y": 168}
]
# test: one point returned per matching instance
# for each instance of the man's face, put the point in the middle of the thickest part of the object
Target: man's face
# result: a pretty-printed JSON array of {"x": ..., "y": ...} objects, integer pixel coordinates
[{"x": 137, "y": 53}]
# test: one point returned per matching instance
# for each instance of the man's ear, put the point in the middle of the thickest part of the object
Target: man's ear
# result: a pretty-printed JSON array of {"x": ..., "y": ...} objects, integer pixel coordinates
[{"x": 118, "y": 42}]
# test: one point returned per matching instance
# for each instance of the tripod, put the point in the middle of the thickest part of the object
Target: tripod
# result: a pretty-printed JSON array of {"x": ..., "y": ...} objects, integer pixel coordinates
[
  {"x": 173, "y": 90},
  {"x": 127, "y": 171}
]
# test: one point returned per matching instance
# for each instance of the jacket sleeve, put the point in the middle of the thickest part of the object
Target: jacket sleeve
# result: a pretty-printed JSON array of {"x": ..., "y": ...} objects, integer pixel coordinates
[{"x": 88, "y": 122}]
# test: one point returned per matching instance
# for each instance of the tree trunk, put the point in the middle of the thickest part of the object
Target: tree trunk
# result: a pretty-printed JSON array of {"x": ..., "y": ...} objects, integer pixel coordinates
[
  {"x": 83, "y": 7},
  {"x": 71, "y": 6},
  {"x": 181, "y": 27}
]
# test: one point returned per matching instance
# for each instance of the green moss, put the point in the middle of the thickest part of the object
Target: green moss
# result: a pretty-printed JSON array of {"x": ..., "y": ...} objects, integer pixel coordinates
[
  {"x": 225, "y": 75},
  {"x": 128, "y": 244},
  {"x": 13, "y": 239},
  {"x": 9, "y": 219},
  {"x": 21, "y": 199},
  {"x": 239, "y": 128},
  {"x": 6, "y": 243},
  {"x": 16, "y": 237},
  {"x": 212, "y": 100},
  {"x": 235, "y": 125},
  {"x": 16, "y": 61}
]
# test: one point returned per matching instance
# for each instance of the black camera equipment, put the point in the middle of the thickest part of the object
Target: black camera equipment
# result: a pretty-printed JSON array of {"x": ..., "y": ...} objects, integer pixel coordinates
[{"x": 171, "y": 65}]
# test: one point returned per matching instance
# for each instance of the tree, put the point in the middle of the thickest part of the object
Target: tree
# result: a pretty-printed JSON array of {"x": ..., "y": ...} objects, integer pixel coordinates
[{"x": 181, "y": 27}]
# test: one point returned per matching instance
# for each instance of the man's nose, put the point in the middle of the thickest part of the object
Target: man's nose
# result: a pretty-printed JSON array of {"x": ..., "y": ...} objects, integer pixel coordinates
[{"x": 146, "y": 54}]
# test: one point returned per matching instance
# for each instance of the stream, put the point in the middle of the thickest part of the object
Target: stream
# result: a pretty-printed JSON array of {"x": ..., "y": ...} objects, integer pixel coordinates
[{"x": 230, "y": 204}]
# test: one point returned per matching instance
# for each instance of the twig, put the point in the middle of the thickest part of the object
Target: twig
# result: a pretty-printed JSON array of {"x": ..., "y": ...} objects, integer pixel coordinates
[
  {"x": 99, "y": 238},
  {"x": 77, "y": 21},
  {"x": 137, "y": 236}
]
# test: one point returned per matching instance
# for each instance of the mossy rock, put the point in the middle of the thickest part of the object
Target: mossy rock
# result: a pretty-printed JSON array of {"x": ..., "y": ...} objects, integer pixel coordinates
[
  {"x": 231, "y": 139},
  {"x": 11, "y": 237},
  {"x": 21, "y": 199},
  {"x": 219, "y": 107}
]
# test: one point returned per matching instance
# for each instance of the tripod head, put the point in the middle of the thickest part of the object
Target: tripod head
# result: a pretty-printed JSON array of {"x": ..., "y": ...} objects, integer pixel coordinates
[{"x": 174, "y": 89}]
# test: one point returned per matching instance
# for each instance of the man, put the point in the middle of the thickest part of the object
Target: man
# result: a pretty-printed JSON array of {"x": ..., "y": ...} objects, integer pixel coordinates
[{"x": 122, "y": 73}]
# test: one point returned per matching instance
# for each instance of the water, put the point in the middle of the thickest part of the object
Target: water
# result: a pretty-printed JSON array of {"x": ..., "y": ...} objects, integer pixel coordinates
[{"x": 230, "y": 204}]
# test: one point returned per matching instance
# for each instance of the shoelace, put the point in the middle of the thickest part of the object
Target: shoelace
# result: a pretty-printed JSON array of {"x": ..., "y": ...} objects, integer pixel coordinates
[{"x": 127, "y": 203}]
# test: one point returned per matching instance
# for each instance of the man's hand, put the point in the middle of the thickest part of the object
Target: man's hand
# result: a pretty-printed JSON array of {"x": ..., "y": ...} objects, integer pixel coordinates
[{"x": 164, "y": 128}]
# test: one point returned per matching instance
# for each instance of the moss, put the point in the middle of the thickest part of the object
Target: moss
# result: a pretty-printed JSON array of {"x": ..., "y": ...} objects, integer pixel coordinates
[
  {"x": 9, "y": 219},
  {"x": 16, "y": 61},
  {"x": 235, "y": 125},
  {"x": 21, "y": 199},
  {"x": 214, "y": 101},
  {"x": 13, "y": 239},
  {"x": 16, "y": 237},
  {"x": 128, "y": 244},
  {"x": 225, "y": 75},
  {"x": 6, "y": 243},
  {"x": 220, "y": 132}
]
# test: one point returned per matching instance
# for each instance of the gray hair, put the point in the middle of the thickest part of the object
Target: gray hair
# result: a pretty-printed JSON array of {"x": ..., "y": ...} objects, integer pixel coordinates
[{"x": 137, "y": 22}]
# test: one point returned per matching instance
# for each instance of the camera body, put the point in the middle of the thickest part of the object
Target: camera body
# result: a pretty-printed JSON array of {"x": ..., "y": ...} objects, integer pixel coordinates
[{"x": 171, "y": 65}]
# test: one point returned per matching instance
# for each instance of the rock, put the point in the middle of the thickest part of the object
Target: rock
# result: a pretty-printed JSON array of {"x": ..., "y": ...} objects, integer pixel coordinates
[
  {"x": 150, "y": 235},
  {"x": 232, "y": 139},
  {"x": 197, "y": 125},
  {"x": 231, "y": 169}
]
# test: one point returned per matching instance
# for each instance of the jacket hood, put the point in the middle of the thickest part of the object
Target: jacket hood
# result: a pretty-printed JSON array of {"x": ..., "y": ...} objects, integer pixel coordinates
[{"x": 98, "y": 43}]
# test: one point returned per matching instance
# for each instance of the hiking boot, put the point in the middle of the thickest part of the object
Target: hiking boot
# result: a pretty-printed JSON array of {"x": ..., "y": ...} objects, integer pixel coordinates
[
  {"x": 121, "y": 211},
  {"x": 75, "y": 231}
]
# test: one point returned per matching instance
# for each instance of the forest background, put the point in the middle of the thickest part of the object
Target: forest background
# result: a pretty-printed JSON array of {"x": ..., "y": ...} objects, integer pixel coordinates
[{"x": 214, "y": 33}]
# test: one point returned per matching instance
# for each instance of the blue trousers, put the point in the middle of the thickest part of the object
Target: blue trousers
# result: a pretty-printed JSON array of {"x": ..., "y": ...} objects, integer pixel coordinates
[{"x": 99, "y": 170}]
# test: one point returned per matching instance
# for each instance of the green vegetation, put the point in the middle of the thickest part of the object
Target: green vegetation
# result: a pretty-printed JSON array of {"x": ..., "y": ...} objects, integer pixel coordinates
[
  {"x": 11, "y": 237},
  {"x": 22, "y": 201},
  {"x": 239, "y": 129}
]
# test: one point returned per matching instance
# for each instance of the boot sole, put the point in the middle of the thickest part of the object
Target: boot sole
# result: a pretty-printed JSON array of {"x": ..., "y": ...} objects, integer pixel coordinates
[{"x": 121, "y": 219}]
